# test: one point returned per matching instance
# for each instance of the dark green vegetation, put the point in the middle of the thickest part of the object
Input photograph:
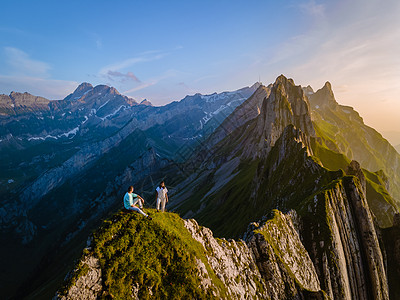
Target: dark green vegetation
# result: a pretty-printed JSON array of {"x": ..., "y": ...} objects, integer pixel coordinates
[{"x": 159, "y": 255}]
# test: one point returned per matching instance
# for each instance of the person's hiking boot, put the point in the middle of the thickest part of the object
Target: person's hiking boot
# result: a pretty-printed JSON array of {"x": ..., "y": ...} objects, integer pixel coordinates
[{"x": 149, "y": 218}]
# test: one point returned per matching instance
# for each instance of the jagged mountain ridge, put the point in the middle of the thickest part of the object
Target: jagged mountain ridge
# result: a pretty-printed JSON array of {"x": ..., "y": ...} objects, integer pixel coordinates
[
  {"x": 289, "y": 155},
  {"x": 71, "y": 171},
  {"x": 237, "y": 185},
  {"x": 83, "y": 151},
  {"x": 225, "y": 157}
]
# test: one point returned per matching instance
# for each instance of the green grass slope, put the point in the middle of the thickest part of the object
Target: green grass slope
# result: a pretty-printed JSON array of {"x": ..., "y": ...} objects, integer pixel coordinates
[
  {"x": 379, "y": 199},
  {"x": 342, "y": 130},
  {"x": 160, "y": 255}
]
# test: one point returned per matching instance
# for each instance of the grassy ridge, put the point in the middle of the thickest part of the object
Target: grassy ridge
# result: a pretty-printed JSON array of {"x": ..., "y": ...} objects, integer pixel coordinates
[{"x": 159, "y": 255}]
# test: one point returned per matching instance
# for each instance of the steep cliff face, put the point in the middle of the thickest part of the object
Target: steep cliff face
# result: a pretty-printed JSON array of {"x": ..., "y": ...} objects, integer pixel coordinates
[
  {"x": 343, "y": 243},
  {"x": 286, "y": 105}
]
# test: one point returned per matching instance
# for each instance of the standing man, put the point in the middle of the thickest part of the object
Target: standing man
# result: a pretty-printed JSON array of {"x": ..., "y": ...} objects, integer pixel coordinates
[
  {"x": 162, "y": 197},
  {"x": 130, "y": 200}
]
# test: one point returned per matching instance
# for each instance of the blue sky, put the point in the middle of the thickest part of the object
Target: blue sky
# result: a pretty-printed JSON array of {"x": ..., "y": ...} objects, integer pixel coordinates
[{"x": 163, "y": 50}]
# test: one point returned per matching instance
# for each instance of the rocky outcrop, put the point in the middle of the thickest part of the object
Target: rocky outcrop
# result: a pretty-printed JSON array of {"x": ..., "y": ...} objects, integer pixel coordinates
[
  {"x": 354, "y": 169},
  {"x": 232, "y": 261},
  {"x": 86, "y": 282},
  {"x": 286, "y": 105},
  {"x": 323, "y": 97},
  {"x": 283, "y": 262}
]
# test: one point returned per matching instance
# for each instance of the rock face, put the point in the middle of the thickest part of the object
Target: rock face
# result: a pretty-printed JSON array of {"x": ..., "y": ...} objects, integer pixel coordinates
[
  {"x": 354, "y": 169},
  {"x": 349, "y": 262},
  {"x": 232, "y": 261},
  {"x": 283, "y": 261},
  {"x": 286, "y": 105},
  {"x": 323, "y": 97},
  {"x": 89, "y": 283},
  {"x": 22, "y": 103}
]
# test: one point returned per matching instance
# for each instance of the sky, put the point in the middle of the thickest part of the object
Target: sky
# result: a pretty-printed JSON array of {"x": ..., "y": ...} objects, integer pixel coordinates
[{"x": 164, "y": 50}]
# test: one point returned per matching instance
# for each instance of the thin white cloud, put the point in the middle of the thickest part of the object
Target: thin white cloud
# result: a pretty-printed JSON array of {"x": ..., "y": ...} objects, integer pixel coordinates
[
  {"x": 152, "y": 81},
  {"x": 313, "y": 8},
  {"x": 21, "y": 63},
  {"x": 129, "y": 76},
  {"x": 121, "y": 65},
  {"x": 204, "y": 77},
  {"x": 140, "y": 87}
]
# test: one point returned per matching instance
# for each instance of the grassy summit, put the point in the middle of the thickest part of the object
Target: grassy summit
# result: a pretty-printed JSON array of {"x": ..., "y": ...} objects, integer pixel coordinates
[{"x": 157, "y": 258}]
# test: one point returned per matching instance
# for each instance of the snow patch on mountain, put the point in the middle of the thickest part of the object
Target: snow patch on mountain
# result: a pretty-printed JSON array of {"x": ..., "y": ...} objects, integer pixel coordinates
[
  {"x": 72, "y": 132},
  {"x": 217, "y": 97},
  {"x": 103, "y": 105},
  {"x": 124, "y": 107}
]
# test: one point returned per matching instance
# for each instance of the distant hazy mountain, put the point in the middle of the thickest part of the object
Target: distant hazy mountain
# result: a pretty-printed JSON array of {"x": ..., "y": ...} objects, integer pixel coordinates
[
  {"x": 342, "y": 130},
  {"x": 59, "y": 156}
]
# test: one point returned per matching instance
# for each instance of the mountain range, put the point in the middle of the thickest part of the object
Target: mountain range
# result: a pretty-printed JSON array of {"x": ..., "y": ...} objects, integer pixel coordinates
[
  {"x": 309, "y": 193},
  {"x": 59, "y": 156}
]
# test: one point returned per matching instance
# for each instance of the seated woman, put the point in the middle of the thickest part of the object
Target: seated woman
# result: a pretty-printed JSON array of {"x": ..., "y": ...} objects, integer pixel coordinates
[{"x": 130, "y": 200}]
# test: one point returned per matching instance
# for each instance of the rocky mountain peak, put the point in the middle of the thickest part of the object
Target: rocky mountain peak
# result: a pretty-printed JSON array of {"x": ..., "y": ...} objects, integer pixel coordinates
[
  {"x": 281, "y": 79},
  {"x": 27, "y": 99},
  {"x": 286, "y": 105},
  {"x": 83, "y": 87},
  {"x": 256, "y": 85},
  {"x": 101, "y": 88},
  {"x": 146, "y": 102},
  {"x": 308, "y": 90},
  {"x": 324, "y": 96},
  {"x": 114, "y": 91}
]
